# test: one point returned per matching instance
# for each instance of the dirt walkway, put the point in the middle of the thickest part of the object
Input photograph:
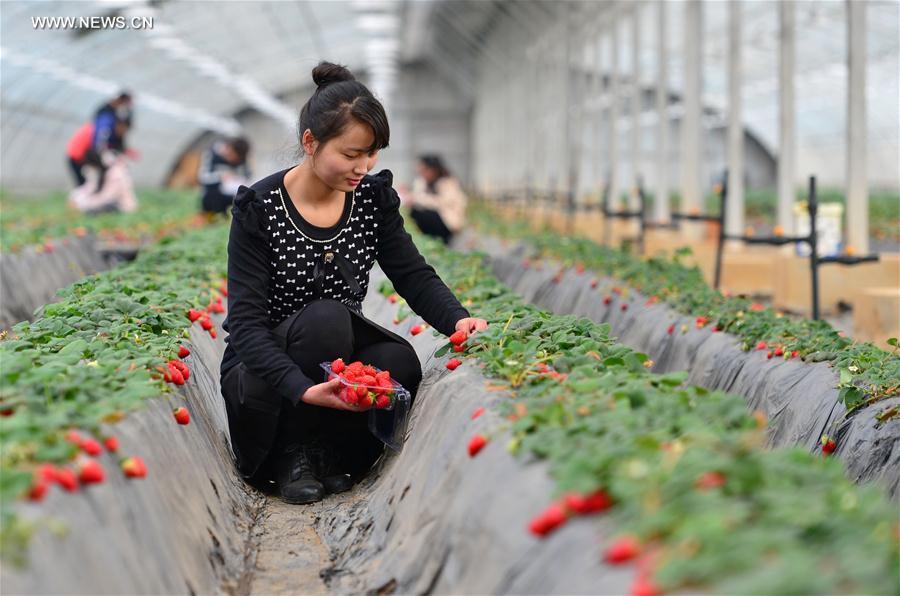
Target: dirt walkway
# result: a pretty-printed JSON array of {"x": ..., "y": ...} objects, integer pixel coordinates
[{"x": 291, "y": 557}]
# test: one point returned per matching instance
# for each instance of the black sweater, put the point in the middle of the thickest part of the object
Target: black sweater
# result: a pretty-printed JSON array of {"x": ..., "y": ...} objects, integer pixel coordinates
[{"x": 278, "y": 262}]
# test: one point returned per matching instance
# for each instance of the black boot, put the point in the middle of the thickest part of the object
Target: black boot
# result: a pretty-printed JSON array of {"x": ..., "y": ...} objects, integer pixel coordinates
[
  {"x": 295, "y": 476},
  {"x": 331, "y": 469}
]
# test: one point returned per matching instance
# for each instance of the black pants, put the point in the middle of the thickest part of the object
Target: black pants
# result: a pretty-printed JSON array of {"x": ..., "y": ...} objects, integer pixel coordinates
[
  {"x": 322, "y": 331},
  {"x": 92, "y": 158},
  {"x": 431, "y": 224},
  {"x": 214, "y": 201},
  {"x": 76, "y": 171}
]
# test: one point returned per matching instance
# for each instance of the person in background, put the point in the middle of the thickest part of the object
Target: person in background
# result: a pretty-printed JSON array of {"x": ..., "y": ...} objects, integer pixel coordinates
[
  {"x": 437, "y": 200},
  {"x": 223, "y": 168},
  {"x": 111, "y": 122},
  {"x": 105, "y": 184}
]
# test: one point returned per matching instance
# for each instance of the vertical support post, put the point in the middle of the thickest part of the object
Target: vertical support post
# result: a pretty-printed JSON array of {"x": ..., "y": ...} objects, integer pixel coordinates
[
  {"x": 661, "y": 203},
  {"x": 636, "y": 105},
  {"x": 734, "y": 222},
  {"x": 813, "y": 206},
  {"x": 787, "y": 115},
  {"x": 613, "y": 184},
  {"x": 857, "y": 187},
  {"x": 570, "y": 125},
  {"x": 691, "y": 125},
  {"x": 723, "y": 217}
]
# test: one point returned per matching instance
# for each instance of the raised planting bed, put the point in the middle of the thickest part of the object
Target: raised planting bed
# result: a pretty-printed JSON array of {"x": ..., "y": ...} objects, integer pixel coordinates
[
  {"x": 800, "y": 398},
  {"x": 42, "y": 222},
  {"x": 31, "y": 277},
  {"x": 47, "y": 246},
  {"x": 679, "y": 469}
]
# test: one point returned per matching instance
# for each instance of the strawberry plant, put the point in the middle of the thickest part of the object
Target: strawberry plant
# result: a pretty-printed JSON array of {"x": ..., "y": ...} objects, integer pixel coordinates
[
  {"x": 866, "y": 373},
  {"x": 40, "y": 222},
  {"x": 91, "y": 358},
  {"x": 682, "y": 470}
]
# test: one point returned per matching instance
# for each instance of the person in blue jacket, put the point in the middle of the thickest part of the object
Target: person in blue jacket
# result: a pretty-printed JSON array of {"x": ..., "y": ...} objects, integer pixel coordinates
[{"x": 112, "y": 121}]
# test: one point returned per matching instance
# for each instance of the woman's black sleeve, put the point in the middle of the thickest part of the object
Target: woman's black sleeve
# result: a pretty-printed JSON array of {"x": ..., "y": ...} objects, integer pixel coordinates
[
  {"x": 413, "y": 278},
  {"x": 249, "y": 272}
]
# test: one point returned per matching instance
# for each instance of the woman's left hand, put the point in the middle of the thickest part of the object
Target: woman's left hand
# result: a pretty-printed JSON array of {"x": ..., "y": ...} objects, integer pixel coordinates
[{"x": 471, "y": 324}]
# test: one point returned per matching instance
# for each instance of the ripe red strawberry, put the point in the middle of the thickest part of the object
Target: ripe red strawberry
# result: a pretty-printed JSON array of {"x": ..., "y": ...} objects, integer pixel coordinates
[
  {"x": 459, "y": 337},
  {"x": 794, "y": 354},
  {"x": 90, "y": 472},
  {"x": 624, "y": 549},
  {"x": 716, "y": 329},
  {"x": 624, "y": 307},
  {"x": 644, "y": 586},
  {"x": 828, "y": 445},
  {"x": 392, "y": 298},
  {"x": 206, "y": 323},
  {"x": 366, "y": 400},
  {"x": 594, "y": 283},
  {"x": 476, "y": 444},
  {"x": 181, "y": 367},
  {"x": 761, "y": 345},
  {"x": 607, "y": 300},
  {"x": 710, "y": 480},
  {"x": 48, "y": 246},
  {"x": 617, "y": 290},
  {"x": 194, "y": 314},
  {"x": 355, "y": 368},
  {"x": 134, "y": 467},
  {"x": 756, "y": 306},
  {"x": 73, "y": 437},
  {"x": 66, "y": 478},
  {"x": 223, "y": 289},
  {"x": 338, "y": 366},
  {"x": 7, "y": 411},
  {"x": 46, "y": 472},
  {"x": 215, "y": 307},
  {"x": 183, "y": 352},
  {"x": 548, "y": 520},
  {"x": 701, "y": 322},
  {"x": 368, "y": 380},
  {"x": 38, "y": 489},
  {"x": 111, "y": 444},
  {"x": 453, "y": 363},
  {"x": 769, "y": 354},
  {"x": 478, "y": 412},
  {"x": 671, "y": 329},
  {"x": 595, "y": 502},
  {"x": 383, "y": 401},
  {"x": 182, "y": 416},
  {"x": 213, "y": 334},
  {"x": 579, "y": 268},
  {"x": 779, "y": 351},
  {"x": 361, "y": 392},
  {"x": 460, "y": 348},
  {"x": 91, "y": 447},
  {"x": 369, "y": 370},
  {"x": 176, "y": 376},
  {"x": 350, "y": 396},
  {"x": 415, "y": 330}
]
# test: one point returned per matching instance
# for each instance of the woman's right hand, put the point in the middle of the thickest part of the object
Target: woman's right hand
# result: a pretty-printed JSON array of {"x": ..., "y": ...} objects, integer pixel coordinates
[{"x": 328, "y": 395}]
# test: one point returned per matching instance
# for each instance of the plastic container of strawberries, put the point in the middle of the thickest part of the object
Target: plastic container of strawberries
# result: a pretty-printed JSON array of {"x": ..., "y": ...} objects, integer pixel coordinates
[{"x": 387, "y": 424}]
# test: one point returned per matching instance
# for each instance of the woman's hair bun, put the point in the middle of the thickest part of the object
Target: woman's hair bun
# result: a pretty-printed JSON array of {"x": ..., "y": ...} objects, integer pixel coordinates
[{"x": 327, "y": 73}]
